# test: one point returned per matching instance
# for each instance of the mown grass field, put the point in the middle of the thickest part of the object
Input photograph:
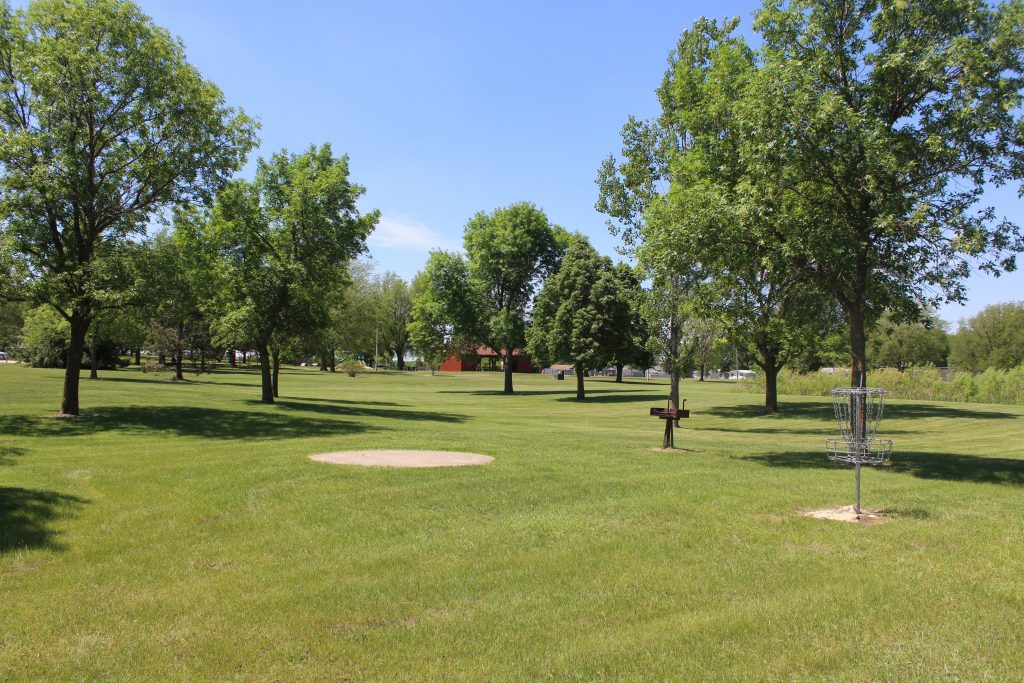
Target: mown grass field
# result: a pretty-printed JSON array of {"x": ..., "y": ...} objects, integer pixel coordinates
[{"x": 179, "y": 532}]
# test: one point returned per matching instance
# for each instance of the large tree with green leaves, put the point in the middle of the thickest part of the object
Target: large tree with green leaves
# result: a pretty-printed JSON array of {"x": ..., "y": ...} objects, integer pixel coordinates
[
  {"x": 634, "y": 193},
  {"x": 630, "y": 344},
  {"x": 715, "y": 216},
  {"x": 281, "y": 245},
  {"x": 393, "y": 309},
  {"x": 432, "y": 328},
  {"x": 486, "y": 295},
  {"x": 881, "y": 122},
  {"x": 993, "y": 338},
  {"x": 582, "y": 313},
  {"x": 904, "y": 345},
  {"x": 102, "y": 125}
]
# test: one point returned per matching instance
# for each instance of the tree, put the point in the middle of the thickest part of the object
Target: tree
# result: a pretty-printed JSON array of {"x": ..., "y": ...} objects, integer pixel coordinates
[
  {"x": 355, "y": 317},
  {"x": 665, "y": 308},
  {"x": 994, "y": 338},
  {"x": 903, "y": 345},
  {"x": 713, "y": 215},
  {"x": 102, "y": 124},
  {"x": 393, "y": 313},
  {"x": 881, "y": 123},
  {"x": 44, "y": 339},
  {"x": 486, "y": 295},
  {"x": 581, "y": 313},
  {"x": 282, "y": 243},
  {"x": 432, "y": 329},
  {"x": 630, "y": 345},
  {"x": 701, "y": 333},
  {"x": 11, "y": 320},
  {"x": 180, "y": 282},
  {"x": 771, "y": 318},
  {"x": 633, "y": 193}
]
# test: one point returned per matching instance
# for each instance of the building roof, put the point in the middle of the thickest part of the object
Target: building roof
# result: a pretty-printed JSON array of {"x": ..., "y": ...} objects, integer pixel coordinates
[{"x": 488, "y": 351}]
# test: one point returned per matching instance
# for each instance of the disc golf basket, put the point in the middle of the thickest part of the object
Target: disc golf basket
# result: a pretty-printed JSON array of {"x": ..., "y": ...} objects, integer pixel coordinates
[{"x": 858, "y": 411}]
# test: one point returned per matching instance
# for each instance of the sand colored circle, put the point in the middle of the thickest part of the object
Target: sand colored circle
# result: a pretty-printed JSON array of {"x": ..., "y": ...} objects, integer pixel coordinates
[
  {"x": 402, "y": 458},
  {"x": 847, "y": 513}
]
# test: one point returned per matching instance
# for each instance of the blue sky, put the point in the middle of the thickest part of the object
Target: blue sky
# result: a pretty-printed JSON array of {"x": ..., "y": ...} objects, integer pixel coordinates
[{"x": 449, "y": 108}]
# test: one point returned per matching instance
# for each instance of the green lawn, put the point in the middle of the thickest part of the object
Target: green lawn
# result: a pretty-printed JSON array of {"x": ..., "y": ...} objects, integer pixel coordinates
[{"x": 179, "y": 531}]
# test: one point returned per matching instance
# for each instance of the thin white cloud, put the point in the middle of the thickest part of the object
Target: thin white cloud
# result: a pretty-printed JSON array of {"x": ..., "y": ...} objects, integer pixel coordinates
[{"x": 399, "y": 232}]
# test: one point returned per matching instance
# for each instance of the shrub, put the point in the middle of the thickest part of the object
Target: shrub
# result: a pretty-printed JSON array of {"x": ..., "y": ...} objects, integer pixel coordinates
[
  {"x": 918, "y": 384},
  {"x": 350, "y": 367},
  {"x": 44, "y": 339}
]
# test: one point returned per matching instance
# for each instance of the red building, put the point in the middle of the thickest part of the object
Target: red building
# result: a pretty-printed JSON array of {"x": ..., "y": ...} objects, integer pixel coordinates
[{"x": 485, "y": 358}]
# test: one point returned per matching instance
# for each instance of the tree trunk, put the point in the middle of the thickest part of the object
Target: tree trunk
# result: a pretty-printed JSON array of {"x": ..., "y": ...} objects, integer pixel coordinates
[
  {"x": 323, "y": 360},
  {"x": 771, "y": 386},
  {"x": 93, "y": 361},
  {"x": 73, "y": 365},
  {"x": 858, "y": 346},
  {"x": 277, "y": 371},
  {"x": 400, "y": 354},
  {"x": 334, "y": 360},
  {"x": 673, "y": 391},
  {"x": 701, "y": 373},
  {"x": 245, "y": 357},
  {"x": 162, "y": 359},
  {"x": 202, "y": 360},
  {"x": 265, "y": 376},
  {"x": 580, "y": 395},
  {"x": 508, "y": 373},
  {"x": 231, "y": 358},
  {"x": 618, "y": 372},
  {"x": 179, "y": 352},
  {"x": 138, "y": 356},
  {"x": 673, "y": 349}
]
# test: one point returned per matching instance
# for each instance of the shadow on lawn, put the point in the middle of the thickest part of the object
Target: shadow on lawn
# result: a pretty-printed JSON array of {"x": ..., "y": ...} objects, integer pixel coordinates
[
  {"x": 340, "y": 401},
  {"x": 357, "y": 410},
  {"x": 25, "y": 516},
  {"x": 9, "y": 453},
  {"x": 181, "y": 420},
  {"x": 565, "y": 390},
  {"x": 893, "y": 411},
  {"x": 615, "y": 397},
  {"x": 947, "y": 466}
]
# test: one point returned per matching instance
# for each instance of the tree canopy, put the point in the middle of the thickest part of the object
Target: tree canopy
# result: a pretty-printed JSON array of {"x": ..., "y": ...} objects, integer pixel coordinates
[
  {"x": 103, "y": 123},
  {"x": 582, "y": 314},
  {"x": 486, "y": 295},
  {"x": 281, "y": 245},
  {"x": 994, "y": 338}
]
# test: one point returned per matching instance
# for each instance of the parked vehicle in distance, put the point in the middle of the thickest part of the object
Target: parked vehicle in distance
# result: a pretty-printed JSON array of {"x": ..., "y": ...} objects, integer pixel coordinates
[{"x": 3, "y": 356}]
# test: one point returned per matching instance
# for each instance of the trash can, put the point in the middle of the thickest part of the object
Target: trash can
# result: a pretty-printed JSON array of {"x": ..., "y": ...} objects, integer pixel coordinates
[{"x": 560, "y": 374}]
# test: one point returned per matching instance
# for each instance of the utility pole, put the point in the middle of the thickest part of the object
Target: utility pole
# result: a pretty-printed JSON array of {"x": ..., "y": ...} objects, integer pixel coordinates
[{"x": 376, "y": 341}]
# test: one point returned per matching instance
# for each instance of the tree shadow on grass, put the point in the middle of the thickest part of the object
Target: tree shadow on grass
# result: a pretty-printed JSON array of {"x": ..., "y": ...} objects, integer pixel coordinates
[
  {"x": 946, "y": 466},
  {"x": 348, "y": 409},
  {"x": 567, "y": 390},
  {"x": 616, "y": 397},
  {"x": 26, "y": 515},
  {"x": 213, "y": 423},
  {"x": 9, "y": 453},
  {"x": 803, "y": 411},
  {"x": 340, "y": 401},
  {"x": 823, "y": 410}
]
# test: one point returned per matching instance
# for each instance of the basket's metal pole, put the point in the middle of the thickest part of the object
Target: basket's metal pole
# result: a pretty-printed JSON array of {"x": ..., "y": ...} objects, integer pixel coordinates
[{"x": 856, "y": 486}]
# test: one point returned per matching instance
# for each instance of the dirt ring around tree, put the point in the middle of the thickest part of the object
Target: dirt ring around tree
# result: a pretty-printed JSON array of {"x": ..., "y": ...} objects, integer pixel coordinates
[{"x": 385, "y": 458}]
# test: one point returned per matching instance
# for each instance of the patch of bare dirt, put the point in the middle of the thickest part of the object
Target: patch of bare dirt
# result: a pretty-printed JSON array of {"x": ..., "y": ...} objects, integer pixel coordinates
[
  {"x": 402, "y": 458},
  {"x": 846, "y": 513}
]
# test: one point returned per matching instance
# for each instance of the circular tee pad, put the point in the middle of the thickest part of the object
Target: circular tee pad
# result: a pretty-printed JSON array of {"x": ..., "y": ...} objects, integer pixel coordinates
[{"x": 402, "y": 458}]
